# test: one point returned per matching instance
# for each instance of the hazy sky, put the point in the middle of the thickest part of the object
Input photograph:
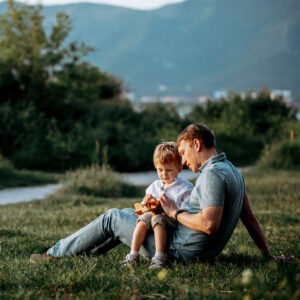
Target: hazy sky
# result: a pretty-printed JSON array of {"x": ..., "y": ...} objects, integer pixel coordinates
[{"x": 137, "y": 4}]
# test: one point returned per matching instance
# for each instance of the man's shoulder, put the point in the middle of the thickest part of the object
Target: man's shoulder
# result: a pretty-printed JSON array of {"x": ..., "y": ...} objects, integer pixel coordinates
[{"x": 220, "y": 168}]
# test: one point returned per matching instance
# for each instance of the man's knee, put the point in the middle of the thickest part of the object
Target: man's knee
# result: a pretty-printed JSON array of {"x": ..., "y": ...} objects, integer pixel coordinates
[
  {"x": 128, "y": 210},
  {"x": 113, "y": 211}
]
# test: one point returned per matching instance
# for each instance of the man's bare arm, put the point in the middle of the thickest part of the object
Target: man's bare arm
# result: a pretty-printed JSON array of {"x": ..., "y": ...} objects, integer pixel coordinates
[
  {"x": 207, "y": 221},
  {"x": 255, "y": 231},
  {"x": 253, "y": 227}
]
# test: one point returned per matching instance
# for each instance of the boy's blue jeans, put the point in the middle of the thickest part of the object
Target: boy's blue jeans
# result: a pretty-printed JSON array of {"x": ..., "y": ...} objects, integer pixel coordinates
[{"x": 102, "y": 234}]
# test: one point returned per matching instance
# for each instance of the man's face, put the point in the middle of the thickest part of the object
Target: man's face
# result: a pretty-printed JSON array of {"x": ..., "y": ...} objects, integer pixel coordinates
[
  {"x": 187, "y": 150},
  {"x": 168, "y": 172}
]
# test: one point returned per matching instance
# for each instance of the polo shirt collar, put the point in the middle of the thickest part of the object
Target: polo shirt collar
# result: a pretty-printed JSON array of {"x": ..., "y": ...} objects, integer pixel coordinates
[{"x": 212, "y": 160}]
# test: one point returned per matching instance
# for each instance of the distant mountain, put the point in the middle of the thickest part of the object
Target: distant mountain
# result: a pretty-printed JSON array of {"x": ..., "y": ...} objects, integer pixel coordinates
[{"x": 194, "y": 47}]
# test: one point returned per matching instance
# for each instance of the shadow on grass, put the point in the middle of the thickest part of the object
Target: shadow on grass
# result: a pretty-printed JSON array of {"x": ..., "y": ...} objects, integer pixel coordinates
[
  {"x": 240, "y": 259},
  {"x": 11, "y": 233}
]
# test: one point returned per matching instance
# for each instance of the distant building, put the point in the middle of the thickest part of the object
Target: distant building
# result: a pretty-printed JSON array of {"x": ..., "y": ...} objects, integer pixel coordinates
[
  {"x": 285, "y": 94},
  {"x": 219, "y": 94},
  {"x": 149, "y": 99},
  {"x": 175, "y": 99},
  {"x": 128, "y": 95}
]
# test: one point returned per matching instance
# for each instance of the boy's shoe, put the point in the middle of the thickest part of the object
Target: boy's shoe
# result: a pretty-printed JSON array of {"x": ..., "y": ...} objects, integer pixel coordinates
[
  {"x": 44, "y": 257},
  {"x": 130, "y": 260},
  {"x": 158, "y": 262}
]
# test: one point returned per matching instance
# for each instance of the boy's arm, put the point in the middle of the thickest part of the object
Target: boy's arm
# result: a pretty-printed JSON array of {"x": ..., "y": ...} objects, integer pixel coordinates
[
  {"x": 149, "y": 194},
  {"x": 147, "y": 199}
]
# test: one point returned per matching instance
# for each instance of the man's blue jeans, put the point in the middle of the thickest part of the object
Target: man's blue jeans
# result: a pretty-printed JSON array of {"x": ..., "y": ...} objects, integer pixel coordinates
[
  {"x": 115, "y": 226},
  {"x": 102, "y": 234}
]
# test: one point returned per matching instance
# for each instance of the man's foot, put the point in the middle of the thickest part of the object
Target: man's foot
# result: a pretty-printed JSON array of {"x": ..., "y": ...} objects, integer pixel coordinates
[
  {"x": 44, "y": 257},
  {"x": 130, "y": 260},
  {"x": 158, "y": 262}
]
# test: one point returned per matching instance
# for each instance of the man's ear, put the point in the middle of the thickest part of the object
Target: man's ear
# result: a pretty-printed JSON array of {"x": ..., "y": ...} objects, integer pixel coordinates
[{"x": 197, "y": 144}]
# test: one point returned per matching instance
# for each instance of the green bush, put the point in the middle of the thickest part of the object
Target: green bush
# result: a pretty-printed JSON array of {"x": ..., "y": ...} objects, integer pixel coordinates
[
  {"x": 7, "y": 171},
  {"x": 244, "y": 125},
  {"x": 12, "y": 177},
  {"x": 99, "y": 181},
  {"x": 4, "y": 163},
  {"x": 281, "y": 155}
]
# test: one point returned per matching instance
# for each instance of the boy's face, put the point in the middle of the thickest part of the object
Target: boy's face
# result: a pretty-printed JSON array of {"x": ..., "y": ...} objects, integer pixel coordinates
[{"x": 168, "y": 172}]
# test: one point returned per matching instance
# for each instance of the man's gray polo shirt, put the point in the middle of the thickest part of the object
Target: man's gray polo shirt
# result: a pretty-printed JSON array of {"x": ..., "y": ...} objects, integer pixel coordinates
[{"x": 219, "y": 184}]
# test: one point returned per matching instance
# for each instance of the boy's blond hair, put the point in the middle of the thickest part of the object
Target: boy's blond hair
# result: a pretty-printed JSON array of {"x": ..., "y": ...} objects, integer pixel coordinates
[{"x": 166, "y": 153}]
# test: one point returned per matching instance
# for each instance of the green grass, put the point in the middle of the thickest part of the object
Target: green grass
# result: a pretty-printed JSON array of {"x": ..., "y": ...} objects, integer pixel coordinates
[{"x": 30, "y": 227}]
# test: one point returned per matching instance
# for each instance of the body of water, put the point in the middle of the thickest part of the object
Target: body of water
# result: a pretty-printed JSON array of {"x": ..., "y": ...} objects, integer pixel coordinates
[
  {"x": 146, "y": 178},
  {"x": 15, "y": 195},
  {"x": 24, "y": 194}
]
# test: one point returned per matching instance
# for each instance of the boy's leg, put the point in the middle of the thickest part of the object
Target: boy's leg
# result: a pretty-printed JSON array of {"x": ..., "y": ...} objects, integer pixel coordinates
[
  {"x": 160, "y": 236},
  {"x": 142, "y": 225},
  {"x": 160, "y": 258},
  {"x": 114, "y": 225},
  {"x": 160, "y": 225},
  {"x": 139, "y": 235},
  {"x": 138, "y": 238}
]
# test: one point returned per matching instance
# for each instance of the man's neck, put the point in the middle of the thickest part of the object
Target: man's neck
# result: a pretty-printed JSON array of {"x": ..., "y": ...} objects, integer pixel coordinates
[{"x": 207, "y": 154}]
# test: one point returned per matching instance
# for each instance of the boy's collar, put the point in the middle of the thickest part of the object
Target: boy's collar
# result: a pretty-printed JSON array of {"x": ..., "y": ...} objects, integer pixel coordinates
[{"x": 168, "y": 184}]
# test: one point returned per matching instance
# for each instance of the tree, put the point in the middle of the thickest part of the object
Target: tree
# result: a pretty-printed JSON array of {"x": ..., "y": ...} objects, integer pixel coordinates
[
  {"x": 46, "y": 89},
  {"x": 243, "y": 126}
]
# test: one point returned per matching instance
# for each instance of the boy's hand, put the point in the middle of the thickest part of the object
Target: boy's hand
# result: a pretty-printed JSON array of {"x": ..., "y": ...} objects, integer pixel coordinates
[{"x": 147, "y": 199}]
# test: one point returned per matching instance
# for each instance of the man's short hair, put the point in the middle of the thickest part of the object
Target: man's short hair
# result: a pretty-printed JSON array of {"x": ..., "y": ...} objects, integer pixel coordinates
[
  {"x": 166, "y": 153},
  {"x": 200, "y": 132}
]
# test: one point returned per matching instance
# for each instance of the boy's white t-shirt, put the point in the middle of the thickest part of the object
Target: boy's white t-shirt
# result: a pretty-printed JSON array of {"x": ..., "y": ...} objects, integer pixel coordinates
[{"x": 178, "y": 190}]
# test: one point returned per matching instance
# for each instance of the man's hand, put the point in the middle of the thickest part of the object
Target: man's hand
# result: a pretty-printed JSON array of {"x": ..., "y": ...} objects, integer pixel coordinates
[
  {"x": 282, "y": 258},
  {"x": 168, "y": 206},
  {"x": 147, "y": 199}
]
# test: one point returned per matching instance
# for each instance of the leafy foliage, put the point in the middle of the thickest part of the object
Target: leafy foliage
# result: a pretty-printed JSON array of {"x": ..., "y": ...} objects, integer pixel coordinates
[
  {"x": 11, "y": 177},
  {"x": 58, "y": 112},
  {"x": 244, "y": 126},
  {"x": 46, "y": 91},
  {"x": 99, "y": 181},
  {"x": 281, "y": 155}
]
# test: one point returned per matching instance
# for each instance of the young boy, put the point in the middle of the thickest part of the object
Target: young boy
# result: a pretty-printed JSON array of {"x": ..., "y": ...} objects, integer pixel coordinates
[{"x": 167, "y": 162}]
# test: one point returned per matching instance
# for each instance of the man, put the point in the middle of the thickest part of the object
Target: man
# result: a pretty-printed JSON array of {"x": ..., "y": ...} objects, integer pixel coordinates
[
  {"x": 217, "y": 202},
  {"x": 218, "y": 199}
]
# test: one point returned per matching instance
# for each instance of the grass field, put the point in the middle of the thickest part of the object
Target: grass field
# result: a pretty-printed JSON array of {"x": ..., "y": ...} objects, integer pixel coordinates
[{"x": 240, "y": 272}]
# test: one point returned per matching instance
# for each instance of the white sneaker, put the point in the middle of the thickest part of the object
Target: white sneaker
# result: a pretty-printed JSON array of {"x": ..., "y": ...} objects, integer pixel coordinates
[
  {"x": 130, "y": 260},
  {"x": 158, "y": 262}
]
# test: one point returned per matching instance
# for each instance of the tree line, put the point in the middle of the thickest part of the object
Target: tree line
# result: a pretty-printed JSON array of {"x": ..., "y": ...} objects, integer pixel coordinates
[{"x": 59, "y": 112}]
